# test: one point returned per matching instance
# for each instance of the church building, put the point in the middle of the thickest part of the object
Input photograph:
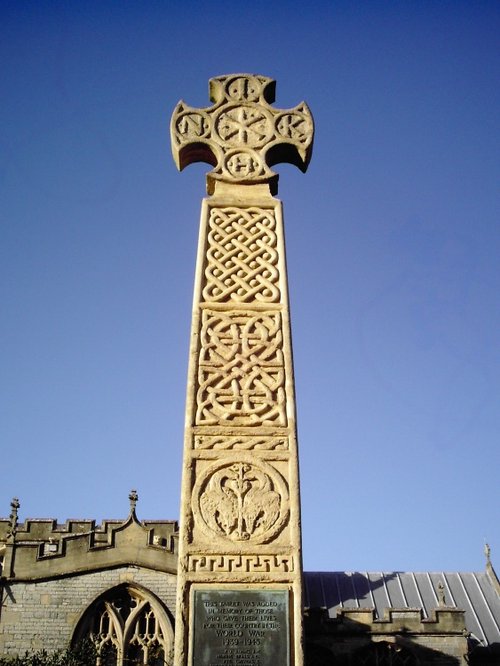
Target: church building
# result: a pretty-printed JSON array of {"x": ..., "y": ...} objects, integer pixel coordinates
[
  {"x": 116, "y": 582},
  {"x": 225, "y": 584}
]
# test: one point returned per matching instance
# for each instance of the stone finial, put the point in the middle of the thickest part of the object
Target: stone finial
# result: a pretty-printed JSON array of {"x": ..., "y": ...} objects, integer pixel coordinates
[
  {"x": 133, "y": 498},
  {"x": 490, "y": 570},
  {"x": 241, "y": 135},
  {"x": 13, "y": 519},
  {"x": 441, "y": 594}
]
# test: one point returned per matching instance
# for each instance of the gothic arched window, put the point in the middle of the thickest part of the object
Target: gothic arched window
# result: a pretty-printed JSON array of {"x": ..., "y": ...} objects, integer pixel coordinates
[
  {"x": 129, "y": 627},
  {"x": 384, "y": 653}
]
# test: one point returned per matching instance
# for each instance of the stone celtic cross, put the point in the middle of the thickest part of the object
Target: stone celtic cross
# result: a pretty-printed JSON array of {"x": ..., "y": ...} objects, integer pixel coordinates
[
  {"x": 241, "y": 135},
  {"x": 240, "y": 565}
]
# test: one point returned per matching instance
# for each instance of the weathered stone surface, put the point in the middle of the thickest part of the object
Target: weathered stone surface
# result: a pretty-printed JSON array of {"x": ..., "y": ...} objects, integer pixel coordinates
[
  {"x": 44, "y": 613},
  {"x": 44, "y": 549},
  {"x": 241, "y": 135},
  {"x": 357, "y": 635},
  {"x": 240, "y": 514}
]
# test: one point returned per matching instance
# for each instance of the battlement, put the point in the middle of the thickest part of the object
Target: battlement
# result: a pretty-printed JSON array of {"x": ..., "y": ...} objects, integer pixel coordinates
[
  {"x": 442, "y": 620},
  {"x": 44, "y": 548},
  {"x": 44, "y": 529}
]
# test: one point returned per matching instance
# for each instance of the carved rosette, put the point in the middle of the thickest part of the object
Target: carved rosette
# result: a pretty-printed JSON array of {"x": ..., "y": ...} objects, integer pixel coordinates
[{"x": 241, "y": 501}]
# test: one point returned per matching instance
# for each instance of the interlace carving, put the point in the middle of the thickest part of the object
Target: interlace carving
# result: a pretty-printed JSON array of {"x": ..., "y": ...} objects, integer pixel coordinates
[
  {"x": 241, "y": 256},
  {"x": 241, "y": 563},
  {"x": 241, "y": 374},
  {"x": 240, "y": 502},
  {"x": 240, "y": 442},
  {"x": 126, "y": 627},
  {"x": 241, "y": 134}
]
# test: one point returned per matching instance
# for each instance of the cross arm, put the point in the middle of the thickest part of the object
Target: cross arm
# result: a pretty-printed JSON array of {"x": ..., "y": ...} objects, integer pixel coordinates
[{"x": 241, "y": 135}]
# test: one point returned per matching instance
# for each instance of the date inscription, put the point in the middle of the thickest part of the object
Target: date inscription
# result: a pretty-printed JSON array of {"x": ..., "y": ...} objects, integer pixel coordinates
[{"x": 241, "y": 628}]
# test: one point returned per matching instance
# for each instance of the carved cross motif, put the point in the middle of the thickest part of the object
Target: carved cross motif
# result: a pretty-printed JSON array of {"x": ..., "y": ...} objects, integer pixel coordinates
[
  {"x": 12, "y": 529},
  {"x": 241, "y": 135},
  {"x": 133, "y": 499}
]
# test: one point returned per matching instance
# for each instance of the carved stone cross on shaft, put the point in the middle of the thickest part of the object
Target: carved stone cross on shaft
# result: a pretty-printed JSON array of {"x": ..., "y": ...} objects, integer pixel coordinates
[
  {"x": 241, "y": 135},
  {"x": 239, "y": 585}
]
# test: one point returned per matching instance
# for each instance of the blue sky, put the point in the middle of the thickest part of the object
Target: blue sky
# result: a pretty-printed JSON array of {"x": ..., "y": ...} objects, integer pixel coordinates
[{"x": 393, "y": 257}]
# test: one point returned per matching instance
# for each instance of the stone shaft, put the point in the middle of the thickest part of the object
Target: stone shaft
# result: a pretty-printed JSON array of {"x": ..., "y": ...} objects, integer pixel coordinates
[{"x": 240, "y": 540}]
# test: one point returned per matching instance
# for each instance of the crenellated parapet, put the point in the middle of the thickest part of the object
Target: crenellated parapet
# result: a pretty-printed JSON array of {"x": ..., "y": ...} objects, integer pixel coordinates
[
  {"x": 44, "y": 548},
  {"x": 403, "y": 620},
  {"x": 45, "y": 529},
  {"x": 394, "y": 621},
  {"x": 400, "y": 631}
]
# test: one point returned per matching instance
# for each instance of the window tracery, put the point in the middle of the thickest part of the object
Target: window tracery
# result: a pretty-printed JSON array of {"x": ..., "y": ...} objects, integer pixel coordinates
[
  {"x": 384, "y": 654},
  {"x": 129, "y": 628}
]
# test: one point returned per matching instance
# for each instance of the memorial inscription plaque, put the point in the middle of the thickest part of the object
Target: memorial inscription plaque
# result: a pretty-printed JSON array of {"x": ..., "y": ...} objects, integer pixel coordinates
[{"x": 241, "y": 628}]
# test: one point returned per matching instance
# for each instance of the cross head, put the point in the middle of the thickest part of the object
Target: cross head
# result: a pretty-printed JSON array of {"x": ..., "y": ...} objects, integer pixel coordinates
[{"x": 241, "y": 135}]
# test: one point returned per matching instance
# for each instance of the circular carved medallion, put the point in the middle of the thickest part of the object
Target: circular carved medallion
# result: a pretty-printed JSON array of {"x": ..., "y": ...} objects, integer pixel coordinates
[
  {"x": 244, "y": 125},
  {"x": 241, "y": 501},
  {"x": 244, "y": 164},
  {"x": 244, "y": 88},
  {"x": 192, "y": 125},
  {"x": 294, "y": 126}
]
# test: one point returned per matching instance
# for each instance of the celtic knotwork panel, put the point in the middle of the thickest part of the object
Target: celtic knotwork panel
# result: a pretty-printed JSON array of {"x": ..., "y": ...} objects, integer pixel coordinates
[
  {"x": 242, "y": 259},
  {"x": 241, "y": 501},
  {"x": 240, "y": 442},
  {"x": 241, "y": 375}
]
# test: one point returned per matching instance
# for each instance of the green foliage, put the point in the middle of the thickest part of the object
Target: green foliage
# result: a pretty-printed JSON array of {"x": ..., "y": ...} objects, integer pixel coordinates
[{"x": 84, "y": 654}]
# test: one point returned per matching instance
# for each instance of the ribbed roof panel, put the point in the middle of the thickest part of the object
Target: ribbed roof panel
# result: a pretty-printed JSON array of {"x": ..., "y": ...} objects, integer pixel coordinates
[{"x": 472, "y": 592}]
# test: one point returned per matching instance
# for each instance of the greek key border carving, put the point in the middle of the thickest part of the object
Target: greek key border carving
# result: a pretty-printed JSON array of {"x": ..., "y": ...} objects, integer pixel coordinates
[{"x": 241, "y": 563}]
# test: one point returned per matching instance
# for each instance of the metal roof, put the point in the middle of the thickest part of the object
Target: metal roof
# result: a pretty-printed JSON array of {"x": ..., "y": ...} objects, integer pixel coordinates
[{"x": 473, "y": 592}]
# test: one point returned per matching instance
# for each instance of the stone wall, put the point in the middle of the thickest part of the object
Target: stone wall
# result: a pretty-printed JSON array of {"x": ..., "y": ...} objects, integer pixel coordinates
[
  {"x": 44, "y": 614},
  {"x": 44, "y": 549},
  {"x": 357, "y": 636}
]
